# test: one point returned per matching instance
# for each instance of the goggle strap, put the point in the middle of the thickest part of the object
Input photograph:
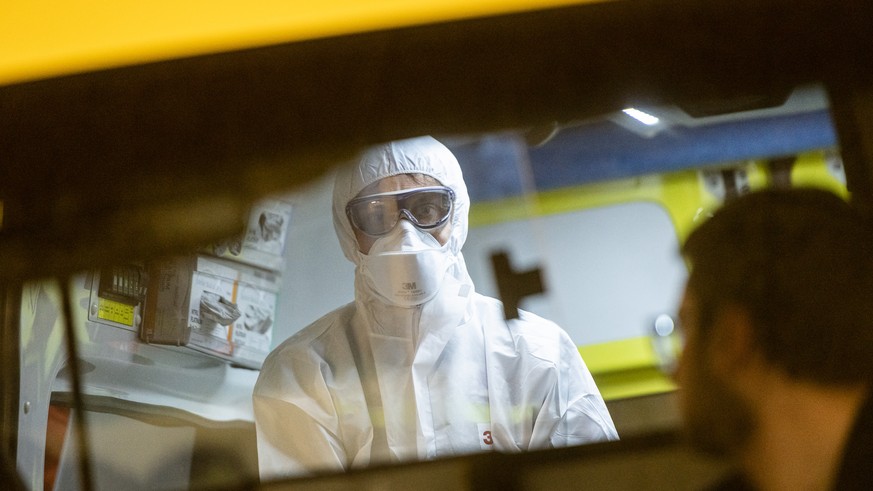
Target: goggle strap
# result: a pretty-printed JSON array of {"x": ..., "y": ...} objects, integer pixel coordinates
[
  {"x": 405, "y": 212},
  {"x": 405, "y": 191}
]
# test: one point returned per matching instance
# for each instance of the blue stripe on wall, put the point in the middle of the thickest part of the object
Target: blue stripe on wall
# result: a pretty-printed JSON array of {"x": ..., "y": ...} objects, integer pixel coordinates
[{"x": 605, "y": 151}]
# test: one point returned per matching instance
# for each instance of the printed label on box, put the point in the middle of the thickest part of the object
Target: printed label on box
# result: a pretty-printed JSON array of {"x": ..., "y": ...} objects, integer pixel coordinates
[
  {"x": 263, "y": 242},
  {"x": 218, "y": 307}
]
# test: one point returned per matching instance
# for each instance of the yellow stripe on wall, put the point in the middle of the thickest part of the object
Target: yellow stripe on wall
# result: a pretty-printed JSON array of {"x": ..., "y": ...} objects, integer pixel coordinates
[{"x": 625, "y": 368}]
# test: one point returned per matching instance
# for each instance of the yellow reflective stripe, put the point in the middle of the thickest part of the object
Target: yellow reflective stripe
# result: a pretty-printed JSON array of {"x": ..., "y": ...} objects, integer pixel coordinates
[
  {"x": 810, "y": 169},
  {"x": 625, "y": 368},
  {"x": 633, "y": 383},
  {"x": 681, "y": 193},
  {"x": 678, "y": 192},
  {"x": 624, "y": 354}
]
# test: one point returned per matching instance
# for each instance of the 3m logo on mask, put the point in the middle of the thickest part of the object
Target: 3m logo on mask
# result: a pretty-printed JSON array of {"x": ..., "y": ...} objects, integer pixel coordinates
[{"x": 406, "y": 267}]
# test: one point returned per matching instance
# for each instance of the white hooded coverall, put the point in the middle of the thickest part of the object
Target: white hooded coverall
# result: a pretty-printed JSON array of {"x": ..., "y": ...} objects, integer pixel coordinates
[{"x": 371, "y": 383}]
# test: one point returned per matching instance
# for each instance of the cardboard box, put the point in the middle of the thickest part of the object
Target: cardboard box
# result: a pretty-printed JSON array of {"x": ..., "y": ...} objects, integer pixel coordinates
[
  {"x": 222, "y": 308},
  {"x": 263, "y": 242}
]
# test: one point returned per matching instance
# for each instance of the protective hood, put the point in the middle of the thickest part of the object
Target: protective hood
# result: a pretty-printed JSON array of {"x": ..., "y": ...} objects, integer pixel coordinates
[{"x": 423, "y": 155}]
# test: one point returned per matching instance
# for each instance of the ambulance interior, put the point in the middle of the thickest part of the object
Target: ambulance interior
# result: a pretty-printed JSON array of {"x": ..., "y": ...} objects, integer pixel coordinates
[
  {"x": 579, "y": 220},
  {"x": 598, "y": 208}
]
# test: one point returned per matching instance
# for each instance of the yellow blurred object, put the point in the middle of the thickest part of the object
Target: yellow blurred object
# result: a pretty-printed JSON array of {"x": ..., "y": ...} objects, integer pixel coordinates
[
  {"x": 626, "y": 368},
  {"x": 40, "y": 39}
]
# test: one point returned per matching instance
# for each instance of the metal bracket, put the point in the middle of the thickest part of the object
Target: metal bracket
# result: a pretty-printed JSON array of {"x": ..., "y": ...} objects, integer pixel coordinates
[{"x": 513, "y": 286}]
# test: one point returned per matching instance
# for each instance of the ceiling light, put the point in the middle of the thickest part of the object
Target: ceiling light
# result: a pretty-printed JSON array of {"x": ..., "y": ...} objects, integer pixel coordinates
[{"x": 641, "y": 116}]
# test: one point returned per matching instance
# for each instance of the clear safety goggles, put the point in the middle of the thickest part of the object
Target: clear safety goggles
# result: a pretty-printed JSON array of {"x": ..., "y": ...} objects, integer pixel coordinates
[{"x": 427, "y": 208}]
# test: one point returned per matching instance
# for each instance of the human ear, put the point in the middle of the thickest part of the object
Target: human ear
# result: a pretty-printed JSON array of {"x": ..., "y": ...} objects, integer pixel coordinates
[{"x": 732, "y": 347}]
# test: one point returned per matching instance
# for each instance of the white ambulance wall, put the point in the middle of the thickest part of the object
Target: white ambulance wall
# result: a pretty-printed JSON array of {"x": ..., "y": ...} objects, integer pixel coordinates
[
  {"x": 317, "y": 277},
  {"x": 608, "y": 271}
]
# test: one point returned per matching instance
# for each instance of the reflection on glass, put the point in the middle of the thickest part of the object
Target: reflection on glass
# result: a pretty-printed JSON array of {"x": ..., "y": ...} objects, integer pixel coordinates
[
  {"x": 599, "y": 206},
  {"x": 667, "y": 341}
]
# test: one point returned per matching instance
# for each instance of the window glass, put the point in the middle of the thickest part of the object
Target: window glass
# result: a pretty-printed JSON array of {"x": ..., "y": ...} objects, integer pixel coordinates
[{"x": 599, "y": 207}]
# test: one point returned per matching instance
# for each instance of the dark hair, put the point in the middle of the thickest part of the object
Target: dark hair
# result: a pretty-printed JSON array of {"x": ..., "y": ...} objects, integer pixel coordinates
[{"x": 799, "y": 262}]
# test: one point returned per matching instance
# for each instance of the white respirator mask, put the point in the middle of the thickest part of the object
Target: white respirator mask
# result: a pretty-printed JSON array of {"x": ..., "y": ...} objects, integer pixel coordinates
[{"x": 406, "y": 266}]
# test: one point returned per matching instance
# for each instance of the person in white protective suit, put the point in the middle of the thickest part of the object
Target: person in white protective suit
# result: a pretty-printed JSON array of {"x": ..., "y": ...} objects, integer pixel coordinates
[{"x": 419, "y": 366}]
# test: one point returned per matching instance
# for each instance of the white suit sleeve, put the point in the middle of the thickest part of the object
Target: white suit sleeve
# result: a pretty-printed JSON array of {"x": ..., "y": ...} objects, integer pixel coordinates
[
  {"x": 296, "y": 425},
  {"x": 584, "y": 418}
]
